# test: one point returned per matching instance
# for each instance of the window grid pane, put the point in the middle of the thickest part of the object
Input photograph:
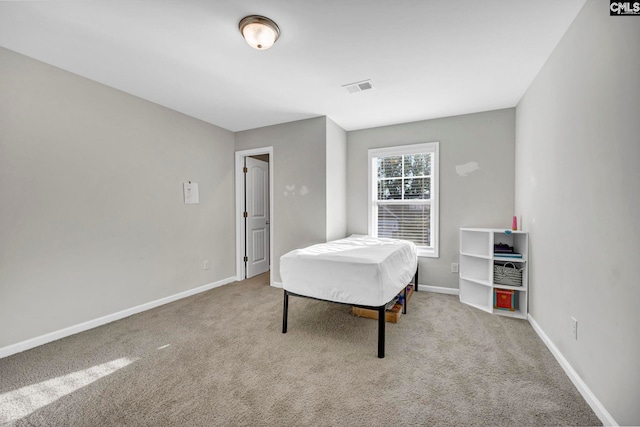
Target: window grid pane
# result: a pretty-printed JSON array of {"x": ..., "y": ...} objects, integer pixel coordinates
[
  {"x": 417, "y": 188},
  {"x": 417, "y": 165},
  {"x": 390, "y": 167},
  {"x": 390, "y": 189}
]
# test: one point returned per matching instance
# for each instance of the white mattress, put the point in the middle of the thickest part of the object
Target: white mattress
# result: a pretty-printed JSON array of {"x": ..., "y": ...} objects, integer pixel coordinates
[{"x": 358, "y": 270}]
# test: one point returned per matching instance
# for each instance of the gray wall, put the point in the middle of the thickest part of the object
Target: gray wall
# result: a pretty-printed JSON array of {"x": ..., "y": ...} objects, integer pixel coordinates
[
  {"x": 299, "y": 174},
  {"x": 336, "y": 181},
  {"x": 578, "y": 191},
  {"x": 92, "y": 219},
  {"x": 480, "y": 198}
]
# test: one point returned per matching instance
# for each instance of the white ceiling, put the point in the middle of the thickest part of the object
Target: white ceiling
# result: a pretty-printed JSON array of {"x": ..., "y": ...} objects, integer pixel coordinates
[{"x": 426, "y": 58}]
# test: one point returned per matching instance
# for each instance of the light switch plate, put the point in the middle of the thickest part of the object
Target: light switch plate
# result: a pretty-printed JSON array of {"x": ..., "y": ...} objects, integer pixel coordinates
[{"x": 191, "y": 195}]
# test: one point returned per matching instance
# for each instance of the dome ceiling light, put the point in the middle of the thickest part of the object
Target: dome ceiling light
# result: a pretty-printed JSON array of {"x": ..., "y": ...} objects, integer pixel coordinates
[{"x": 260, "y": 32}]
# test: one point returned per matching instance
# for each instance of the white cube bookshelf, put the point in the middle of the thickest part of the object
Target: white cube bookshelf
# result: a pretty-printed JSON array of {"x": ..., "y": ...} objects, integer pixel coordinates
[{"x": 477, "y": 260}]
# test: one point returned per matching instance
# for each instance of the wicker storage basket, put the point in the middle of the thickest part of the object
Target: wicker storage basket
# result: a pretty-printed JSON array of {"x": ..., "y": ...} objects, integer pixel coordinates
[{"x": 507, "y": 274}]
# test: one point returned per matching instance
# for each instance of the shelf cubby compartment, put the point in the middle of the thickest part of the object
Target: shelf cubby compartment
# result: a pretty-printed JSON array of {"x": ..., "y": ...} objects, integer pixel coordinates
[
  {"x": 520, "y": 305},
  {"x": 475, "y": 269},
  {"x": 475, "y": 243},
  {"x": 516, "y": 239},
  {"x": 476, "y": 296}
]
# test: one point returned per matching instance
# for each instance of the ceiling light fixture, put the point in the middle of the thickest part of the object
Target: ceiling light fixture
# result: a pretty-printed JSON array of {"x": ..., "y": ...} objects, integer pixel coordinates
[{"x": 260, "y": 32}]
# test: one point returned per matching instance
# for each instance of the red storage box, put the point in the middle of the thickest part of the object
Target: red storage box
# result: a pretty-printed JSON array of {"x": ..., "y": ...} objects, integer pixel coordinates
[{"x": 504, "y": 299}]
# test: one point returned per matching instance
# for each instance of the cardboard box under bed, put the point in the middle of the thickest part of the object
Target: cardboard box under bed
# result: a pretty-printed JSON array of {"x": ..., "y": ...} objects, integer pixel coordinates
[{"x": 392, "y": 314}]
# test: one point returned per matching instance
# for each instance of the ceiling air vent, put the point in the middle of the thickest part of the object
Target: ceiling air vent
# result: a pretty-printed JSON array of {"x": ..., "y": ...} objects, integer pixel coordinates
[{"x": 359, "y": 86}]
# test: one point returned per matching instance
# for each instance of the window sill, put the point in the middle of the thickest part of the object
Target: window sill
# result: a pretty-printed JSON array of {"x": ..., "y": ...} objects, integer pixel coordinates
[{"x": 427, "y": 253}]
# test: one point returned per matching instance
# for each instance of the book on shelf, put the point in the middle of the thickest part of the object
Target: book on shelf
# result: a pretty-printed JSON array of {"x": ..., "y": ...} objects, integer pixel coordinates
[
  {"x": 507, "y": 255},
  {"x": 502, "y": 248}
]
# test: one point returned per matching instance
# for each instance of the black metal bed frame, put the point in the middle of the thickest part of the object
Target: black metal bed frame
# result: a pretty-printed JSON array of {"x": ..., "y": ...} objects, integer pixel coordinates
[{"x": 380, "y": 309}]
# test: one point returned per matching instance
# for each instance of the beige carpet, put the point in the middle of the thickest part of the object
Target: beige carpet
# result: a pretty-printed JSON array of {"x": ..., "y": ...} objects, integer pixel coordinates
[{"x": 219, "y": 358}]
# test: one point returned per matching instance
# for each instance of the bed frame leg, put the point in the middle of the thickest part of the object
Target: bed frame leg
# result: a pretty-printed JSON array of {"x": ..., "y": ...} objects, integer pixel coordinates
[
  {"x": 404, "y": 305},
  {"x": 285, "y": 312},
  {"x": 381, "y": 323},
  {"x": 415, "y": 280}
]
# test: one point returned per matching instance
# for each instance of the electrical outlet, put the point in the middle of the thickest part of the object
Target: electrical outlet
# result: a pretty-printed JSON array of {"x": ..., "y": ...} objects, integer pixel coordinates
[
  {"x": 574, "y": 328},
  {"x": 205, "y": 264},
  {"x": 454, "y": 267}
]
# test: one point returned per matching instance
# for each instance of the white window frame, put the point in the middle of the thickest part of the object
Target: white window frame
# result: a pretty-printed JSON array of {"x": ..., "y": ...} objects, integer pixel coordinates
[{"x": 372, "y": 205}]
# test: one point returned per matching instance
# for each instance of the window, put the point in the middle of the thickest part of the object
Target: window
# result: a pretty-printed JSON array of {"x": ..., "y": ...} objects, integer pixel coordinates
[{"x": 403, "y": 189}]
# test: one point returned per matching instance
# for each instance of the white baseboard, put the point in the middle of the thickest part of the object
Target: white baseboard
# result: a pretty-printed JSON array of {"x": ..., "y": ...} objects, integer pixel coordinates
[
  {"x": 438, "y": 289},
  {"x": 277, "y": 285},
  {"x": 584, "y": 390},
  {"x": 81, "y": 327}
]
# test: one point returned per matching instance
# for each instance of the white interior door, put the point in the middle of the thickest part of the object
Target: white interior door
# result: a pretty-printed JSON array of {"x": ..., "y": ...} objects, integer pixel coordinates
[{"x": 257, "y": 218}]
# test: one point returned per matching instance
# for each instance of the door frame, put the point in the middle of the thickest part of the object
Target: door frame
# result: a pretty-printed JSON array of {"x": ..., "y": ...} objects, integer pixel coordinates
[{"x": 240, "y": 230}]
